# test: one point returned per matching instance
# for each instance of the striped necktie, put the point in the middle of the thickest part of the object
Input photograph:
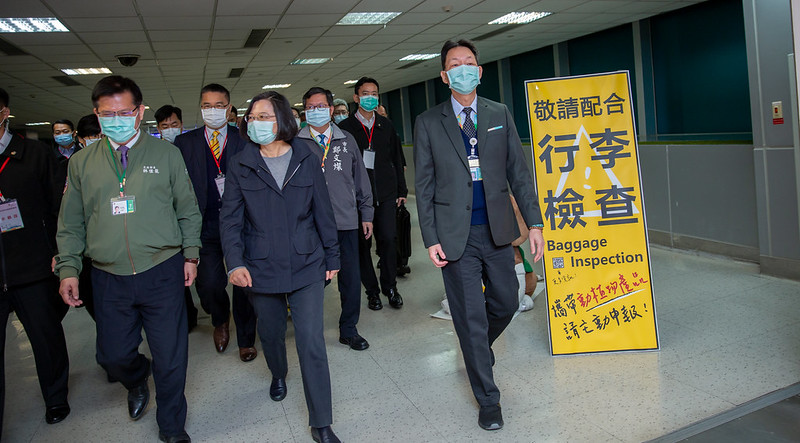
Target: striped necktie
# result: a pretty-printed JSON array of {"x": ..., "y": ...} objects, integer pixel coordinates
[{"x": 215, "y": 144}]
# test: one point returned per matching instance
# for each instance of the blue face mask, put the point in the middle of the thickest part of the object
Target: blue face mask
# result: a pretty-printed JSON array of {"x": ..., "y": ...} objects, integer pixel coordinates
[
  {"x": 368, "y": 102},
  {"x": 261, "y": 132},
  {"x": 318, "y": 117},
  {"x": 464, "y": 79},
  {"x": 64, "y": 139},
  {"x": 339, "y": 118},
  {"x": 118, "y": 129}
]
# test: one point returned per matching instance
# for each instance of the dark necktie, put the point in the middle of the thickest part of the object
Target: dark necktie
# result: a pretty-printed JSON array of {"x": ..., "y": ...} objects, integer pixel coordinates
[
  {"x": 322, "y": 140},
  {"x": 124, "y": 151},
  {"x": 468, "y": 126}
]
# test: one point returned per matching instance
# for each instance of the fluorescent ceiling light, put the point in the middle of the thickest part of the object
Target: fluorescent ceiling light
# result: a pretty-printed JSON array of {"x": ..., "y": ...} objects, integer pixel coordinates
[
  {"x": 297, "y": 104},
  {"x": 351, "y": 82},
  {"x": 412, "y": 57},
  {"x": 43, "y": 24},
  {"x": 249, "y": 100},
  {"x": 86, "y": 71},
  {"x": 519, "y": 18},
  {"x": 37, "y": 124},
  {"x": 276, "y": 86},
  {"x": 310, "y": 61},
  {"x": 368, "y": 18},
  {"x": 147, "y": 107},
  {"x": 11, "y": 116},
  {"x": 150, "y": 122}
]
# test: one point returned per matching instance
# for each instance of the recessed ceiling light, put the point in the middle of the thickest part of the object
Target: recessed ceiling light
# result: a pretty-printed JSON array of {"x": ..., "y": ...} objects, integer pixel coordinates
[
  {"x": 519, "y": 18},
  {"x": 412, "y": 57},
  {"x": 351, "y": 82},
  {"x": 310, "y": 61},
  {"x": 37, "y": 124},
  {"x": 86, "y": 71},
  {"x": 368, "y": 18},
  {"x": 277, "y": 86},
  {"x": 43, "y": 24}
]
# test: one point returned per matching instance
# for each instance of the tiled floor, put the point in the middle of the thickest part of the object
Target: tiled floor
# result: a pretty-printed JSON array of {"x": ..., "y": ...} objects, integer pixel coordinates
[{"x": 728, "y": 335}]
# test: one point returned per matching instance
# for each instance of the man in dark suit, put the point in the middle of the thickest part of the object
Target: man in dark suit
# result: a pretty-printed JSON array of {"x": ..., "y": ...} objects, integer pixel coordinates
[
  {"x": 381, "y": 150},
  {"x": 206, "y": 151},
  {"x": 467, "y": 156}
]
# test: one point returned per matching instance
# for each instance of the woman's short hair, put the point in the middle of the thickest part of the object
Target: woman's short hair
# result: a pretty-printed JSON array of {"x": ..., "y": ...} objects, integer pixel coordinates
[{"x": 287, "y": 127}]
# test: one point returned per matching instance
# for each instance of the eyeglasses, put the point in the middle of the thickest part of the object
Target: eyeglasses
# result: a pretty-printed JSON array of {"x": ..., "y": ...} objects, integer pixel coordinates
[
  {"x": 263, "y": 117},
  {"x": 320, "y": 107},
  {"x": 118, "y": 113},
  {"x": 217, "y": 106}
]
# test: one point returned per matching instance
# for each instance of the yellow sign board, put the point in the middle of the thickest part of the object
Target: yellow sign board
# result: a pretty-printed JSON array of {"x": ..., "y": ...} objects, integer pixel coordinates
[{"x": 597, "y": 260}]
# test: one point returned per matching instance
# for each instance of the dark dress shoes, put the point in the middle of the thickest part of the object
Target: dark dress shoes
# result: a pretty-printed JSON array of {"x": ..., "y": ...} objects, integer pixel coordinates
[
  {"x": 55, "y": 414},
  {"x": 374, "y": 302},
  {"x": 277, "y": 390},
  {"x": 356, "y": 342},
  {"x": 182, "y": 438},
  {"x": 138, "y": 398},
  {"x": 395, "y": 300},
  {"x": 403, "y": 270},
  {"x": 490, "y": 417},
  {"x": 324, "y": 435},
  {"x": 247, "y": 354},
  {"x": 222, "y": 336}
]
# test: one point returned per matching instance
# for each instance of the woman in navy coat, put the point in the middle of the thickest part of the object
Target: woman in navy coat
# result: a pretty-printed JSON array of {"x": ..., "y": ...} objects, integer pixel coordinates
[{"x": 280, "y": 242}]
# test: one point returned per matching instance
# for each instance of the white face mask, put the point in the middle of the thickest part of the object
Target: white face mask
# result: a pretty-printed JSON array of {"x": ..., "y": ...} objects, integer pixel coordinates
[
  {"x": 169, "y": 134},
  {"x": 215, "y": 118}
]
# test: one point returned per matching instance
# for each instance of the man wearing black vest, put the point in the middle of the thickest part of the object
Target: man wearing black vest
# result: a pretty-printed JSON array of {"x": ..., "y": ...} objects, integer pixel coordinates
[
  {"x": 381, "y": 150},
  {"x": 206, "y": 151}
]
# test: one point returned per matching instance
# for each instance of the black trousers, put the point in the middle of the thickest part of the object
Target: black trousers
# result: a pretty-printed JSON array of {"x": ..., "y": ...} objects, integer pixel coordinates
[
  {"x": 479, "y": 317},
  {"x": 40, "y": 309},
  {"x": 384, "y": 231},
  {"x": 306, "y": 305},
  {"x": 153, "y": 299},
  {"x": 211, "y": 283},
  {"x": 349, "y": 279}
]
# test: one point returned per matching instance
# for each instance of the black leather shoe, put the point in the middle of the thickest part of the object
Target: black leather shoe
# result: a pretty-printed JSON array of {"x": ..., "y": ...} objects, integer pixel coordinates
[
  {"x": 403, "y": 270},
  {"x": 138, "y": 398},
  {"x": 374, "y": 302},
  {"x": 490, "y": 417},
  {"x": 395, "y": 300},
  {"x": 55, "y": 414},
  {"x": 324, "y": 435},
  {"x": 182, "y": 438},
  {"x": 277, "y": 390},
  {"x": 356, "y": 342}
]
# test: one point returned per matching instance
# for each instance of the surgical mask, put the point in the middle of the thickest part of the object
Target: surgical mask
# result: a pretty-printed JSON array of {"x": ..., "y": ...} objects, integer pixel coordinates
[
  {"x": 232, "y": 124},
  {"x": 297, "y": 120},
  {"x": 261, "y": 132},
  {"x": 89, "y": 141},
  {"x": 64, "y": 139},
  {"x": 464, "y": 79},
  {"x": 338, "y": 118},
  {"x": 169, "y": 134},
  {"x": 368, "y": 102},
  {"x": 118, "y": 129},
  {"x": 215, "y": 118},
  {"x": 318, "y": 117}
]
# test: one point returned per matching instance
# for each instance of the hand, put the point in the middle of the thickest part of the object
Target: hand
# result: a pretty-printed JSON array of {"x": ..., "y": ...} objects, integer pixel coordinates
[
  {"x": 241, "y": 277},
  {"x": 69, "y": 291},
  {"x": 436, "y": 254},
  {"x": 537, "y": 243},
  {"x": 53, "y": 265},
  {"x": 189, "y": 273},
  {"x": 401, "y": 201},
  {"x": 367, "y": 229},
  {"x": 330, "y": 274}
]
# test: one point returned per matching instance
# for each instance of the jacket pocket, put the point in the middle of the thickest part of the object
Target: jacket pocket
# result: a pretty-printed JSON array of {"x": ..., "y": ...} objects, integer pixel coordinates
[
  {"x": 441, "y": 203},
  {"x": 256, "y": 247},
  {"x": 306, "y": 244}
]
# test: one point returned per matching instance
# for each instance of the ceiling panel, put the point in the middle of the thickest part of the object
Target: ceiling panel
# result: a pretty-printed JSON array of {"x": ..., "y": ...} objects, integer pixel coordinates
[
  {"x": 247, "y": 22},
  {"x": 182, "y": 8},
  {"x": 116, "y": 25}
]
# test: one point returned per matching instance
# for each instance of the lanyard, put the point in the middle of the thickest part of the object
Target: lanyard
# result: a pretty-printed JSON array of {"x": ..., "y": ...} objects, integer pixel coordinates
[
  {"x": 369, "y": 135},
  {"x": 2, "y": 199},
  {"x": 324, "y": 147},
  {"x": 121, "y": 178},
  {"x": 219, "y": 168}
]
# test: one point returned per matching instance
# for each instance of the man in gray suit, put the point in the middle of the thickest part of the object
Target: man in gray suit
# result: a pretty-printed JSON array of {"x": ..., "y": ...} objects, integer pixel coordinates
[{"x": 467, "y": 156}]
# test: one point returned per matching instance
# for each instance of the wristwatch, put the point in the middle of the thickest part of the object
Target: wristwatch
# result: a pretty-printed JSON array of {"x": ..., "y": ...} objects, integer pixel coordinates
[{"x": 195, "y": 261}]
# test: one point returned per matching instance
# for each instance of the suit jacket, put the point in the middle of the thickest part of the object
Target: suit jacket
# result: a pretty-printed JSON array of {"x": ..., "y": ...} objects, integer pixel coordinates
[
  {"x": 444, "y": 184},
  {"x": 193, "y": 146}
]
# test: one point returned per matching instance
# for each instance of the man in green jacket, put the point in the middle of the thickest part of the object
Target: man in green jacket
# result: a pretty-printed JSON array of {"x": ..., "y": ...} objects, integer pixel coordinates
[{"x": 130, "y": 205}]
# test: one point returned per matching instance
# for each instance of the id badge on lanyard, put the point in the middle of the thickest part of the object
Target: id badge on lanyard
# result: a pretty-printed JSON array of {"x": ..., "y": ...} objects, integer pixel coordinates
[
  {"x": 474, "y": 161},
  {"x": 220, "y": 182},
  {"x": 124, "y": 204},
  {"x": 10, "y": 217}
]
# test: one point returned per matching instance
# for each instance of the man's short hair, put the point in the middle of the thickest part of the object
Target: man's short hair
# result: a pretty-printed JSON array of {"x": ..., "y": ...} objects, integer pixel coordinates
[
  {"x": 450, "y": 44},
  {"x": 116, "y": 84},
  {"x": 89, "y": 126},
  {"x": 63, "y": 121},
  {"x": 317, "y": 90},
  {"x": 363, "y": 80},
  {"x": 215, "y": 87},
  {"x": 3, "y": 98},
  {"x": 166, "y": 112}
]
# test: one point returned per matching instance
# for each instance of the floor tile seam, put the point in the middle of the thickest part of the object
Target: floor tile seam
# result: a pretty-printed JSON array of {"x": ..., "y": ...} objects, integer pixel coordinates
[{"x": 703, "y": 390}]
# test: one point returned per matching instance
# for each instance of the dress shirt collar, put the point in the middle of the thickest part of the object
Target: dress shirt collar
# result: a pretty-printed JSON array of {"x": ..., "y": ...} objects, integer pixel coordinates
[
  {"x": 223, "y": 134},
  {"x": 364, "y": 121},
  {"x": 315, "y": 134},
  {"x": 458, "y": 109},
  {"x": 130, "y": 144},
  {"x": 4, "y": 141}
]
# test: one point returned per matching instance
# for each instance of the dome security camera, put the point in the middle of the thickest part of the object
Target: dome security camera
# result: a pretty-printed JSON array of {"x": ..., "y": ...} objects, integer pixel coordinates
[{"x": 127, "y": 59}]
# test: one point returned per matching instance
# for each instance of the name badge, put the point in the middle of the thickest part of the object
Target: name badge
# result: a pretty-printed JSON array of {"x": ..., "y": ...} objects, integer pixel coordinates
[
  {"x": 220, "y": 182},
  {"x": 369, "y": 159},
  {"x": 123, "y": 205},
  {"x": 475, "y": 171},
  {"x": 10, "y": 217}
]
